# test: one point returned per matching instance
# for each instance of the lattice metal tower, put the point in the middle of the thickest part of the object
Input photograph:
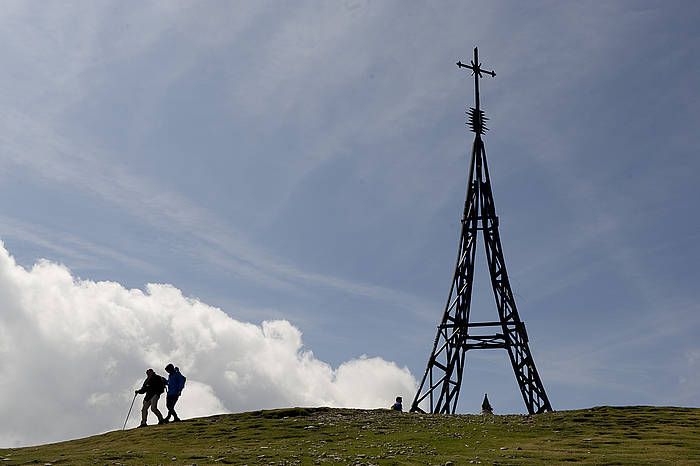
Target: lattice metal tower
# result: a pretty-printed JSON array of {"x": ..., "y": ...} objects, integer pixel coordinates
[{"x": 456, "y": 334}]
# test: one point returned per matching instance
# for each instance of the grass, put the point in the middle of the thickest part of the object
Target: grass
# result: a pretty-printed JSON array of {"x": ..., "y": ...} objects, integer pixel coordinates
[{"x": 603, "y": 435}]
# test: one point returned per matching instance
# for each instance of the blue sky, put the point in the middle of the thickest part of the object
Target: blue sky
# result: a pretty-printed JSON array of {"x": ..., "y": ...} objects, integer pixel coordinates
[{"x": 307, "y": 161}]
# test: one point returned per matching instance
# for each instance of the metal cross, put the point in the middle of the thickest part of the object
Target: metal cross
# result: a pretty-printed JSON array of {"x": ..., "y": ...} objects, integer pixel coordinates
[{"x": 475, "y": 66}]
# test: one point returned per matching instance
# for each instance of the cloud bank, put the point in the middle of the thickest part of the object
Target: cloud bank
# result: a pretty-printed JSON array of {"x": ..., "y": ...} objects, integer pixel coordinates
[{"x": 73, "y": 350}]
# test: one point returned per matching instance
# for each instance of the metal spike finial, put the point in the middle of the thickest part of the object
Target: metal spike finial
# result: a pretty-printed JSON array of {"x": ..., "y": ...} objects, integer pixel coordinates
[{"x": 477, "y": 121}]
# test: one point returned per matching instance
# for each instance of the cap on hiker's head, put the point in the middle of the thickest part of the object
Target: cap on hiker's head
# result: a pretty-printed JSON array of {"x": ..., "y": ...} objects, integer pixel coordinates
[
  {"x": 169, "y": 367},
  {"x": 149, "y": 371}
]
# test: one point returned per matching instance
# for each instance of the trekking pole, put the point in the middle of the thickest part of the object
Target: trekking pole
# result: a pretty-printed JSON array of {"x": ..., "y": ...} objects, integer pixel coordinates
[{"x": 129, "y": 414}]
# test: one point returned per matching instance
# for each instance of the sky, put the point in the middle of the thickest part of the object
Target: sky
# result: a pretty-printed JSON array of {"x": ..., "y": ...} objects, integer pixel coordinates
[{"x": 268, "y": 194}]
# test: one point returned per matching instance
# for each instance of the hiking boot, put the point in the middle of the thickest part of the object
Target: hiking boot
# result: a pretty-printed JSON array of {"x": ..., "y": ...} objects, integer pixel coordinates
[
  {"x": 177, "y": 419},
  {"x": 162, "y": 421},
  {"x": 143, "y": 425}
]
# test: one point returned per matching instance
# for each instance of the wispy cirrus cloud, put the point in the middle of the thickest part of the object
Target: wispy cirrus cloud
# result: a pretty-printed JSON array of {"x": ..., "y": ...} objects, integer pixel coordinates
[{"x": 67, "y": 162}]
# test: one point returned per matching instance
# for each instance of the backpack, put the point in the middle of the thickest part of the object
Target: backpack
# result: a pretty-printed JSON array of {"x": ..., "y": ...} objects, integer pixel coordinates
[
  {"x": 183, "y": 379},
  {"x": 162, "y": 383}
]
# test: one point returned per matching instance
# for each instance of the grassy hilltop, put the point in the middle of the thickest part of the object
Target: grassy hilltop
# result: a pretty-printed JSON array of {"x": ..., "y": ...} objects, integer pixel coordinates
[{"x": 631, "y": 435}]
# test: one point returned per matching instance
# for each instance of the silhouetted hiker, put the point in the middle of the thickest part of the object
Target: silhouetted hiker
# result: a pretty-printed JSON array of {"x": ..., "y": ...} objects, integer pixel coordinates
[
  {"x": 176, "y": 382},
  {"x": 397, "y": 406},
  {"x": 486, "y": 406},
  {"x": 153, "y": 387}
]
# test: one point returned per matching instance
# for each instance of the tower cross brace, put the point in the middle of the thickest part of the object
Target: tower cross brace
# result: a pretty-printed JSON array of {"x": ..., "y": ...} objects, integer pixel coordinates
[{"x": 456, "y": 335}]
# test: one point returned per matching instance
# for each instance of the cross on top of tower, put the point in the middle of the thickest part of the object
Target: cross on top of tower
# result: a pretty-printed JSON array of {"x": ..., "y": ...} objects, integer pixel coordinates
[
  {"x": 475, "y": 66},
  {"x": 476, "y": 115}
]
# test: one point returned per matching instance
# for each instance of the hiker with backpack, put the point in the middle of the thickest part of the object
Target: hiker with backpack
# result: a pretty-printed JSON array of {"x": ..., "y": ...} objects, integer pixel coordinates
[
  {"x": 153, "y": 387},
  {"x": 176, "y": 382}
]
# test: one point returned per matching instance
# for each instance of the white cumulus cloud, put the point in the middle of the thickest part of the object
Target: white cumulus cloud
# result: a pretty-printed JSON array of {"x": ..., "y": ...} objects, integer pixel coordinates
[{"x": 72, "y": 351}]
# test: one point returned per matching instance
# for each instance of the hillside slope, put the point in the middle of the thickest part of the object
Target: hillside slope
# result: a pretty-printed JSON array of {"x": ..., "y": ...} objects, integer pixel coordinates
[{"x": 604, "y": 435}]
